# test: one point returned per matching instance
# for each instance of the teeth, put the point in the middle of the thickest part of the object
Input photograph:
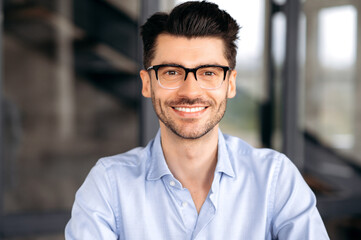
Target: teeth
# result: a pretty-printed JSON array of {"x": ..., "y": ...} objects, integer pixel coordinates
[{"x": 195, "y": 109}]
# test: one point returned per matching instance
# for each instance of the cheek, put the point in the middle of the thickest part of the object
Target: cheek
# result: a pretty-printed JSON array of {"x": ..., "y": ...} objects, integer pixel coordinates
[
  {"x": 162, "y": 95},
  {"x": 221, "y": 94}
]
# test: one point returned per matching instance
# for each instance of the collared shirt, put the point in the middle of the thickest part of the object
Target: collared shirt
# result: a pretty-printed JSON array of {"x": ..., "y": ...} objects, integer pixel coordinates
[{"x": 255, "y": 194}]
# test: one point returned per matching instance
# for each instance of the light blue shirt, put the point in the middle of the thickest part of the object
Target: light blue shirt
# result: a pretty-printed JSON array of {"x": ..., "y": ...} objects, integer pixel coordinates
[{"x": 255, "y": 194}]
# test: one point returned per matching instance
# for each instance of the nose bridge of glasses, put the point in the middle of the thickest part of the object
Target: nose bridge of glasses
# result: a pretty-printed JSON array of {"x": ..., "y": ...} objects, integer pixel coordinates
[{"x": 192, "y": 70}]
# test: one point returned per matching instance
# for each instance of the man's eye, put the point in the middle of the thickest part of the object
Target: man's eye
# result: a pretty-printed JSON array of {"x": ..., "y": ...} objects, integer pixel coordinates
[
  {"x": 171, "y": 73},
  {"x": 209, "y": 73}
]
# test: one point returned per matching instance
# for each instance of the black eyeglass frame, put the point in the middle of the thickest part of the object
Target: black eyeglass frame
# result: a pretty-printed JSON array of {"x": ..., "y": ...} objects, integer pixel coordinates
[{"x": 188, "y": 70}]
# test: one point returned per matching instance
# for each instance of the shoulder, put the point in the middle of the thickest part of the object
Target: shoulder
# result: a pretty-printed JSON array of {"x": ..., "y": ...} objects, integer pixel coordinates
[
  {"x": 261, "y": 164},
  {"x": 129, "y": 159},
  {"x": 132, "y": 163},
  {"x": 242, "y": 152}
]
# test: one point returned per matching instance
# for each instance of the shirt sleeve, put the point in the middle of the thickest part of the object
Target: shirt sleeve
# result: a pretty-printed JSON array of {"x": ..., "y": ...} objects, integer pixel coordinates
[
  {"x": 295, "y": 215},
  {"x": 93, "y": 215}
]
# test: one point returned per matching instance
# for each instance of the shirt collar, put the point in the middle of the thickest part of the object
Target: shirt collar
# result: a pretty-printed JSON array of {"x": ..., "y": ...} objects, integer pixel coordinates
[
  {"x": 158, "y": 166},
  {"x": 224, "y": 164}
]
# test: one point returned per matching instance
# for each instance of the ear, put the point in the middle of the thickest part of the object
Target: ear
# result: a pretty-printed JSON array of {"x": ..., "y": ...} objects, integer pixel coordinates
[
  {"x": 232, "y": 84},
  {"x": 146, "y": 90}
]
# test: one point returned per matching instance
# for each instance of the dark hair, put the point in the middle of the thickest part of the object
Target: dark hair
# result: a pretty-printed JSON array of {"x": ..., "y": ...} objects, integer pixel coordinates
[{"x": 191, "y": 19}]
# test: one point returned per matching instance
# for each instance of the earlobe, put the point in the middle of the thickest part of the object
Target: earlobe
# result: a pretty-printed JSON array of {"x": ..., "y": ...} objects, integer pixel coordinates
[
  {"x": 232, "y": 84},
  {"x": 146, "y": 92}
]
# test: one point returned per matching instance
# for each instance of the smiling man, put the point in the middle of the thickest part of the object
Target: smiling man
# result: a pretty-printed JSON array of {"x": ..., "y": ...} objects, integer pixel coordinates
[{"x": 191, "y": 181}]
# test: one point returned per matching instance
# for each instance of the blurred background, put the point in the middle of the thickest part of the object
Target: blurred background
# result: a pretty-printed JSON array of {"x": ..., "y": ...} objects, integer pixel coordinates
[{"x": 70, "y": 94}]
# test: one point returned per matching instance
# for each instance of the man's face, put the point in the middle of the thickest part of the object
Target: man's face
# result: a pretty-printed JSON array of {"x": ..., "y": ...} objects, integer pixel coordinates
[{"x": 189, "y": 111}]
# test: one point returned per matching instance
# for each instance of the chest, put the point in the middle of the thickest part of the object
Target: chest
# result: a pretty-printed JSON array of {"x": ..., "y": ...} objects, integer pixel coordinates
[{"x": 164, "y": 211}]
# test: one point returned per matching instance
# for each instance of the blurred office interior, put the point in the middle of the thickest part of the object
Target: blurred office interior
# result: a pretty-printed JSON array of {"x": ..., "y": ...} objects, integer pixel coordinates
[{"x": 70, "y": 94}]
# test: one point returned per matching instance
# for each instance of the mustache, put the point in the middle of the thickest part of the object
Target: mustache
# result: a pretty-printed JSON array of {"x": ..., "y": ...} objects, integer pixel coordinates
[{"x": 188, "y": 101}]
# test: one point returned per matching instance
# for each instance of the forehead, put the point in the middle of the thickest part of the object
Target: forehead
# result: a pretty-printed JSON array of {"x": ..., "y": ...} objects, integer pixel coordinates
[{"x": 189, "y": 52}]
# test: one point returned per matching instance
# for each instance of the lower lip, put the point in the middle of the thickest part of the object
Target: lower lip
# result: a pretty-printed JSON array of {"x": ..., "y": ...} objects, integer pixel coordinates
[{"x": 189, "y": 114}]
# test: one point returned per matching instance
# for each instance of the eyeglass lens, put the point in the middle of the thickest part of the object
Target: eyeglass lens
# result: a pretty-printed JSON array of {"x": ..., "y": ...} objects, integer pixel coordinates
[{"x": 174, "y": 77}]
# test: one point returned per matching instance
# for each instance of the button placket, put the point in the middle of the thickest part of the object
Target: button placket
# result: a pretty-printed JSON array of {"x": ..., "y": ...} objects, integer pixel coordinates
[
  {"x": 184, "y": 202},
  {"x": 188, "y": 209}
]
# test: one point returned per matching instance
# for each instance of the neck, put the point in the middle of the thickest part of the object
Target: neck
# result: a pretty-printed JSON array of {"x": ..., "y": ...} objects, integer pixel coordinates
[{"x": 192, "y": 162}]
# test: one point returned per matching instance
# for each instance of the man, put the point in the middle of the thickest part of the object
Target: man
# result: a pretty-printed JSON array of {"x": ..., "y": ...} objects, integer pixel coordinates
[{"x": 191, "y": 181}]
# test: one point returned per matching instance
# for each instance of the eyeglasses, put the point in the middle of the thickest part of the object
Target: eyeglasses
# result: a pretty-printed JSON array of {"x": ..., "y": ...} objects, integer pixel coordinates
[{"x": 172, "y": 76}]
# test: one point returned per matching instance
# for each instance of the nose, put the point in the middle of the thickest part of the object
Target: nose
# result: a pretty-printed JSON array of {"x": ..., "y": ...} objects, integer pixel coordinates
[{"x": 190, "y": 87}]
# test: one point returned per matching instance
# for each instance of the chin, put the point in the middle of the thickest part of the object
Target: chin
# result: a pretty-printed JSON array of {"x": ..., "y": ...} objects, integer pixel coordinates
[{"x": 190, "y": 135}]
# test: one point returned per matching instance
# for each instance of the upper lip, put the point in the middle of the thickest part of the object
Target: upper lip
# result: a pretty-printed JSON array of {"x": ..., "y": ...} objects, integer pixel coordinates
[{"x": 189, "y": 106}]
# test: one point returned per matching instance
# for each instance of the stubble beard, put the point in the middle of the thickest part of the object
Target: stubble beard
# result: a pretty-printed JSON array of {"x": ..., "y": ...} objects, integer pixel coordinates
[{"x": 177, "y": 129}]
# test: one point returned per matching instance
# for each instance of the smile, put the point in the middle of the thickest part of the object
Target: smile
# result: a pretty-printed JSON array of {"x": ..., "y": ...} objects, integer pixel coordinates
[{"x": 189, "y": 109}]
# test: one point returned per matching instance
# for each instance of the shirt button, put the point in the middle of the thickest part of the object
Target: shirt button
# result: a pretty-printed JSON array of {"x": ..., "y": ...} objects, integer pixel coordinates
[
  {"x": 172, "y": 183},
  {"x": 184, "y": 204}
]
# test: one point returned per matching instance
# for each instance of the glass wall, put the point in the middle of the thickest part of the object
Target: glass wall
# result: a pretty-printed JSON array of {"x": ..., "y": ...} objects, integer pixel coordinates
[
  {"x": 70, "y": 94},
  {"x": 332, "y": 80},
  {"x": 330, "y": 63}
]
